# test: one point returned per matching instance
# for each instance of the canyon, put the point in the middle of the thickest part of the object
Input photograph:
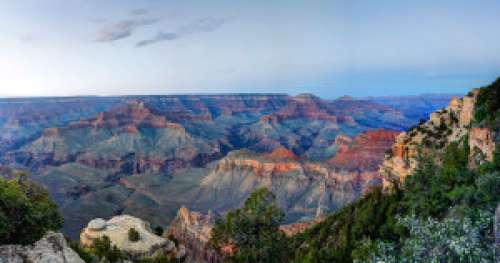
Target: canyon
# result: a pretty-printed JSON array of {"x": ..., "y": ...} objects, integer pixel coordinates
[{"x": 148, "y": 156}]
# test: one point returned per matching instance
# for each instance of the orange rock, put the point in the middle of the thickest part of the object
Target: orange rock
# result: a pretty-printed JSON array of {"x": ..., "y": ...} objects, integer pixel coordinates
[{"x": 365, "y": 152}]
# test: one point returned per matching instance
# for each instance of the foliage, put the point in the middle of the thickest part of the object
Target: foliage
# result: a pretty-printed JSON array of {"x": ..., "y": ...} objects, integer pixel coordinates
[
  {"x": 84, "y": 254},
  {"x": 253, "y": 230},
  {"x": 487, "y": 107},
  {"x": 133, "y": 235},
  {"x": 445, "y": 197},
  {"x": 450, "y": 240},
  {"x": 26, "y": 211},
  {"x": 158, "y": 230},
  {"x": 334, "y": 239},
  {"x": 105, "y": 251}
]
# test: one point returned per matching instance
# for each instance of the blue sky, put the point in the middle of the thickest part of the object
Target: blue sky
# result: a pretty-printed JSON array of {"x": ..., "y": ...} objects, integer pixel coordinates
[{"x": 330, "y": 48}]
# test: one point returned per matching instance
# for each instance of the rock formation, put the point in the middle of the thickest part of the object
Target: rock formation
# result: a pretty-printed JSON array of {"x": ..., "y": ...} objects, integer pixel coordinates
[
  {"x": 52, "y": 248},
  {"x": 117, "y": 229},
  {"x": 193, "y": 230},
  {"x": 451, "y": 124},
  {"x": 363, "y": 153},
  {"x": 300, "y": 186}
]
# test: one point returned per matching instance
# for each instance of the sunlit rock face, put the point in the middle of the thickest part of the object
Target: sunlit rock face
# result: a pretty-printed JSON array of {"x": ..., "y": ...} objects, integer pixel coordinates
[
  {"x": 117, "y": 229},
  {"x": 451, "y": 124},
  {"x": 481, "y": 146},
  {"x": 193, "y": 230},
  {"x": 52, "y": 248},
  {"x": 149, "y": 155},
  {"x": 300, "y": 186}
]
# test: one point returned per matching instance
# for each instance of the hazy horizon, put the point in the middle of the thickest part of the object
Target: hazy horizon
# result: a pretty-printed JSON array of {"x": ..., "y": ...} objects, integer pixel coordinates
[{"x": 328, "y": 48}]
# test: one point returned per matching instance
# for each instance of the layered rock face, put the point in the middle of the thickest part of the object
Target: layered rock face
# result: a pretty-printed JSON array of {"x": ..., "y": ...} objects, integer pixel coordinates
[
  {"x": 365, "y": 152},
  {"x": 301, "y": 187},
  {"x": 117, "y": 229},
  {"x": 451, "y": 124},
  {"x": 52, "y": 248}
]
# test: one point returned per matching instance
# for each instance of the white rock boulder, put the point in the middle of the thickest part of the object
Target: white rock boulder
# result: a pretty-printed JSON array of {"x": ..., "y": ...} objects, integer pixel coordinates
[{"x": 117, "y": 229}]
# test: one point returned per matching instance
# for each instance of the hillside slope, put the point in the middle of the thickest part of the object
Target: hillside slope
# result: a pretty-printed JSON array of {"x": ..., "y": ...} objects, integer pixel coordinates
[{"x": 441, "y": 180}]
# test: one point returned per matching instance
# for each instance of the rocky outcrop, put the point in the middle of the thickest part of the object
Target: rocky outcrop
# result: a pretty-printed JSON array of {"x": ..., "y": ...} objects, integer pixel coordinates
[
  {"x": 481, "y": 146},
  {"x": 117, "y": 229},
  {"x": 451, "y": 124},
  {"x": 52, "y": 248},
  {"x": 193, "y": 230}
]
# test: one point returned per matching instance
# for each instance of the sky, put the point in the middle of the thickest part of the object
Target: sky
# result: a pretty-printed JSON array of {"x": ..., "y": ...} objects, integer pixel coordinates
[{"x": 329, "y": 48}]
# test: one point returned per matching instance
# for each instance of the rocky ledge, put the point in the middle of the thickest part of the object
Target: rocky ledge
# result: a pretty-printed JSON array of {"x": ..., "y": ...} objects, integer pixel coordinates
[
  {"x": 52, "y": 248},
  {"x": 117, "y": 229}
]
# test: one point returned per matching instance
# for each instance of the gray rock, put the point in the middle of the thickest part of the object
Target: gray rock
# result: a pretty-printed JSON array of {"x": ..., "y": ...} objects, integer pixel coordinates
[
  {"x": 97, "y": 224},
  {"x": 52, "y": 248}
]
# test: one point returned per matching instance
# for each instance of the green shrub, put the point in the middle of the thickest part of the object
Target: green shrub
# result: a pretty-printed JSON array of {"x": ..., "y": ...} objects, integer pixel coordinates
[
  {"x": 133, "y": 235},
  {"x": 105, "y": 251},
  {"x": 158, "y": 230},
  {"x": 84, "y": 254}
]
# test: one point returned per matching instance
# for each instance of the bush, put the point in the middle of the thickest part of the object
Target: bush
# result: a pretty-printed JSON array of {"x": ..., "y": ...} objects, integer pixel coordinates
[
  {"x": 104, "y": 251},
  {"x": 450, "y": 240},
  {"x": 84, "y": 254},
  {"x": 133, "y": 235},
  {"x": 26, "y": 211},
  {"x": 158, "y": 230}
]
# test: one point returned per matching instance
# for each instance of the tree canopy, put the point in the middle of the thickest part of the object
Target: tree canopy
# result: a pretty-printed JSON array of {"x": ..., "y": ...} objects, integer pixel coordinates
[
  {"x": 26, "y": 211},
  {"x": 252, "y": 232}
]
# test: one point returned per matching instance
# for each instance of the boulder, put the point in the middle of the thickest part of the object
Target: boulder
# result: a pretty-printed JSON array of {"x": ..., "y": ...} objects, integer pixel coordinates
[
  {"x": 117, "y": 229},
  {"x": 52, "y": 248}
]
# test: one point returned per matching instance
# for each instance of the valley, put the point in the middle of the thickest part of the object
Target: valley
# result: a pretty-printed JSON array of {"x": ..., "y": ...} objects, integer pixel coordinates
[{"x": 149, "y": 155}]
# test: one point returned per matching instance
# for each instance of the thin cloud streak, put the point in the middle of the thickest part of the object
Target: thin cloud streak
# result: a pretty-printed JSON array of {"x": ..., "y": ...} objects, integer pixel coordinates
[
  {"x": 121, "y": 29},
  {"x": 203, "y": 25}
]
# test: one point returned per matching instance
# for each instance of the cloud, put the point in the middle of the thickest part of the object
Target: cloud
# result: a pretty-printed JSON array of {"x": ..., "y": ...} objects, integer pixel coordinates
[
  {"x": 139, "y": 11},
  {"x": 161, "y": 36},
  {"x": 122, "y": 29},
  {"x": 202, "y": 25}
]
